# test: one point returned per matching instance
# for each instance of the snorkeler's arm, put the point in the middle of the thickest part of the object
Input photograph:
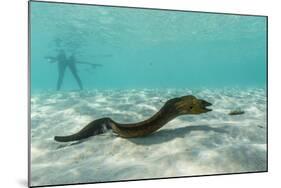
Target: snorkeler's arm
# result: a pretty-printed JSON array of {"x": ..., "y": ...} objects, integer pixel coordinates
[{"x": 94, "y": 65}]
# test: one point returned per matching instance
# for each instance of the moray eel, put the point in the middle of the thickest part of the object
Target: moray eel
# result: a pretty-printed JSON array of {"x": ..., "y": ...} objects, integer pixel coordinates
[{"x": 171, "y": 109}]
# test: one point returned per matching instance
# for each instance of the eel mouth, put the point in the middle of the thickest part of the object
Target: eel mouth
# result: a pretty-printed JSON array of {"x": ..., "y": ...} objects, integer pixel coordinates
[{"x": 205, "y": 104}]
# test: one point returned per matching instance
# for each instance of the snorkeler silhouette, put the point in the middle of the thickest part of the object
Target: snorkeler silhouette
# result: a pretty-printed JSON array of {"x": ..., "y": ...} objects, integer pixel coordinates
[{"x": 63, "y": 62}]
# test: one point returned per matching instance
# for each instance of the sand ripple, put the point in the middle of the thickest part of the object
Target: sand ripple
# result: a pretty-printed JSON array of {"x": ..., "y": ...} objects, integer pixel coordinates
[{"x": 189, "y": 145}]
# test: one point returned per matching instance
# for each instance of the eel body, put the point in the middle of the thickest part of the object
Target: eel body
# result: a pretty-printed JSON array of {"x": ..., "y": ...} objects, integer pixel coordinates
[{"x": 171, "y": 109}]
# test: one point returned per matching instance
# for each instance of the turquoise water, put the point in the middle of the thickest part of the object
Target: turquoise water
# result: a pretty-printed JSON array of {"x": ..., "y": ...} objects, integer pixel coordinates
[
  {"x": 142, "y": 48},
  {"x": 145, "y": 57}
]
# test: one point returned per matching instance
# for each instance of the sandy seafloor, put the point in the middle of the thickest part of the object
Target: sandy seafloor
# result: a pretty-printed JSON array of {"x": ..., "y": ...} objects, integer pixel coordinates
[{"x": 211, "y": 143}]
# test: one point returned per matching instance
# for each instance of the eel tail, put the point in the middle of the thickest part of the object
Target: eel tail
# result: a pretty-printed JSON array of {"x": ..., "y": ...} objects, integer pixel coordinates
[{"x": 96, "y": 127}]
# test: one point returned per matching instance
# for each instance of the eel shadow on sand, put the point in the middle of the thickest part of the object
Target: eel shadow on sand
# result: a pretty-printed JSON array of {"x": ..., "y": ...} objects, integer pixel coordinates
[{"x": 170, "y": 134}]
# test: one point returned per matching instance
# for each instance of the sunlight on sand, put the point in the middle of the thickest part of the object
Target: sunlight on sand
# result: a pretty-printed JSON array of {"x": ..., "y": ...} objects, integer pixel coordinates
[{"x": 210, "y": 143}]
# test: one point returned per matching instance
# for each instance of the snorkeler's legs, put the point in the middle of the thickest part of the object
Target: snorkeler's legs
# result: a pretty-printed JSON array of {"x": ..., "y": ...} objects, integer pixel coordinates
[
  {"x": 61, "y": 70},
  {"x": 73, "y": 70}
]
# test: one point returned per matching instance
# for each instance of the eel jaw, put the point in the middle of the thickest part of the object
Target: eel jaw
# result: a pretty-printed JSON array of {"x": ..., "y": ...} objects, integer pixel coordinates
[{"x": 205, "y": 104}]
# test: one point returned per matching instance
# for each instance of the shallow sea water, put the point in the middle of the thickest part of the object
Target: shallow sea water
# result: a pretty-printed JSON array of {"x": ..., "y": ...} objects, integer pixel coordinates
[
  {"x": 145, "y": 57},
  {"x": 211, "y": 143}
]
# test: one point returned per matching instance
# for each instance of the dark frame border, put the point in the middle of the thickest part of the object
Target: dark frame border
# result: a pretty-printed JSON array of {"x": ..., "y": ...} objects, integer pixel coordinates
[{"x": 132, "y": 7}]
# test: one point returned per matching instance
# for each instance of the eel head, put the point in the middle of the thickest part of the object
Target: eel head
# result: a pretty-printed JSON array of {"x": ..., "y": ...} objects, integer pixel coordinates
[{"x": 189, "y": 105}]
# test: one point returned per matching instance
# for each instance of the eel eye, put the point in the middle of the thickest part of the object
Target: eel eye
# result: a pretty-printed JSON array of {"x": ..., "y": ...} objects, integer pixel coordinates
[{"x": 190, "y": 107}]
